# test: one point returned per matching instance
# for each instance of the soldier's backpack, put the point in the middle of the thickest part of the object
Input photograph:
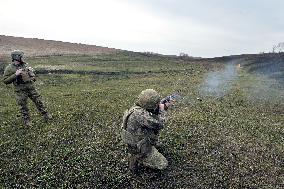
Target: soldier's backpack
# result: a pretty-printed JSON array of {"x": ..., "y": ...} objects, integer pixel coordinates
[{"x": 125, "y": 135}]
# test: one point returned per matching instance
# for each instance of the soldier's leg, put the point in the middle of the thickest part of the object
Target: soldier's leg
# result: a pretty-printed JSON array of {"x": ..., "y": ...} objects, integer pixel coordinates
[
  {"x": 36, "y": 98},
  {"x": 155, "y": 160},
  {"x": 22, "y": 97},
  {"x": 133, "y": 163},
  {"x": 133, "y": 159}
]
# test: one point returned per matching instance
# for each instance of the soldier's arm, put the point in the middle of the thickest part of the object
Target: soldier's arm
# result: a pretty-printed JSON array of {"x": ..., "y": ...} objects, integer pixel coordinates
[
  {"x": 9, "y": 76},
  {"x": 151, "y": 121}
]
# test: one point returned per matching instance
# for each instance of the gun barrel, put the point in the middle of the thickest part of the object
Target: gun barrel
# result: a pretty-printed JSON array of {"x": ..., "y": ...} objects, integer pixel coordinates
[{"x": 172, "y": 97}]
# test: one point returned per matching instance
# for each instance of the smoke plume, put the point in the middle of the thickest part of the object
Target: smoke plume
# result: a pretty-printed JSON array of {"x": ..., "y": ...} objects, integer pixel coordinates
[{"x": 219, "y": 83}]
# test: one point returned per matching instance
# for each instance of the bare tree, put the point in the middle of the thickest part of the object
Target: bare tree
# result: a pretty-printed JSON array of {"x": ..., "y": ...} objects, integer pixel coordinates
[
  {"x": 184, "y": 56},
  {"x": 278, "y": 48}
]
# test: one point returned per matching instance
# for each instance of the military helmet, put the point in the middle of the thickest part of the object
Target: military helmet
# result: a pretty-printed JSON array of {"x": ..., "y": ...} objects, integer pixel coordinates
[
  {"x": 148, "y": 99},
  {"x": 17, "y": 55}
]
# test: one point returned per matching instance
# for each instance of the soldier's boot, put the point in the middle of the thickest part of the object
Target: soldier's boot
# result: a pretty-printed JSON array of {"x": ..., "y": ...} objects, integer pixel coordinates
[
  {"x": 47, "y": 117},
  {"x": 133, "y": 164},
  {"x": 159, "y": 144}
]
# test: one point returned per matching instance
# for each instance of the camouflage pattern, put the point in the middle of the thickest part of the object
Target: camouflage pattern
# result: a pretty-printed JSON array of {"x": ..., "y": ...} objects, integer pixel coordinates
[
  {"x": 26, "y": 76},
  {"x": 24, "y": 88},
  {"x": 21, "y": 81},
  {"x": 155, "y": 160},
  {"x": 140, "y": 131},
  {"x": 22, "y": 97},
  {"x": 17, "y": 55},
  {"x": 148, "y": 99}
]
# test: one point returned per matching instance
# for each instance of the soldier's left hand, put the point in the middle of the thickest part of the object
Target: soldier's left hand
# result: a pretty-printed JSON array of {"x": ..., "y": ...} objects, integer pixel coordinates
[
  {"x": 166, "y": 105},
  {"x": 19, "y": 71}
]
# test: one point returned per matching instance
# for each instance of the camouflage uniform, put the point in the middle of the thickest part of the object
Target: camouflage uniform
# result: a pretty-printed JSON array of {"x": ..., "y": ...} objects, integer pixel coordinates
[
  {"x": 140, "y": 131},
  {"x": 24, "y": 87}
]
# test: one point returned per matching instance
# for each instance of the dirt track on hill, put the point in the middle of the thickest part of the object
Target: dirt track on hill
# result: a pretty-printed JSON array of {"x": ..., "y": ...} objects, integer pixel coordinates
[{"x": 40, "y": 47}]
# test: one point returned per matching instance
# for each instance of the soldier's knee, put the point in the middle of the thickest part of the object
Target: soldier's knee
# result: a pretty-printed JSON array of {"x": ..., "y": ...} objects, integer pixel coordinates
[
  {"x": 36, "y": 98},
  {"x": 163, "y": 164},
  {"x": 21, "y": 100},
  {"x": 156, "y": 160},
  {"x": 22, "y": 103}
]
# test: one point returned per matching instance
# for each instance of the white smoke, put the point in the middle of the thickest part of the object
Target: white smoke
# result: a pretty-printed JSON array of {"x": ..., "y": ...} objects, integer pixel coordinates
[{"x": 219, "y": 83}]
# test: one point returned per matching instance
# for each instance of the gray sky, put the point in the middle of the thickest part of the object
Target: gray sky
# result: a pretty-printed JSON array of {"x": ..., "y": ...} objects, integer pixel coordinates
[{"x": 205, "y": 28}]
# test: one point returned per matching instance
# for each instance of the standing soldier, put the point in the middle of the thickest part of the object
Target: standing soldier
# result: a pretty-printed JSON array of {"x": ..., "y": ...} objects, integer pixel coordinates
[
  {"x": 140, "y": 131},
  {"x": 23, "y": 78}
]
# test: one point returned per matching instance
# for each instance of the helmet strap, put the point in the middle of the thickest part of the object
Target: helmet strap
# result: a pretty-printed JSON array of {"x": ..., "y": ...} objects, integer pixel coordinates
[{"x": 20, "y": 61}]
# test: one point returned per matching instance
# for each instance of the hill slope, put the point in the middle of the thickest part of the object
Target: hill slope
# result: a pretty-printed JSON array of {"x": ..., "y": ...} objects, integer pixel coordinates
[{"x": 38, "y": 47}]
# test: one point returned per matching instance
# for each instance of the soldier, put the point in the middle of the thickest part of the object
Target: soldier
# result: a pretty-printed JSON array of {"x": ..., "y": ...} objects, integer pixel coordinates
[
  {"x": 23, "y": 78},
  {"x": 140, "y": 131}
]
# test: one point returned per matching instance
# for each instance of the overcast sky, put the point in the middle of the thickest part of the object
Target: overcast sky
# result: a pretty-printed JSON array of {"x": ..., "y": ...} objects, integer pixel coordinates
[{"x": 205, "y": 28}]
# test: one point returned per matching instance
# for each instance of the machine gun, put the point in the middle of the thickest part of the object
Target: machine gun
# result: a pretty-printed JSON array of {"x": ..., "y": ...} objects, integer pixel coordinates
[
  {"x": 172, "y": 97},
  {"x": 176, "y": 97}
]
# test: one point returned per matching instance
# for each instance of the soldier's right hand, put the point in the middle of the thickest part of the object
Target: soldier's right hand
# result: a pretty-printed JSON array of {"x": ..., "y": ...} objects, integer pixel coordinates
[{"x": 18, "y": 72}]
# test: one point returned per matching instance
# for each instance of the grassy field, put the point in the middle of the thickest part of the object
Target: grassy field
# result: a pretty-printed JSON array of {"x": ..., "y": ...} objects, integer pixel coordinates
[{"x": 231, "y": 141}]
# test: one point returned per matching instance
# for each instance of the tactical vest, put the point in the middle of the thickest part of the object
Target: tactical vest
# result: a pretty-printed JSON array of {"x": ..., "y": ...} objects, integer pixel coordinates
[{"x": 27, "y": 75}]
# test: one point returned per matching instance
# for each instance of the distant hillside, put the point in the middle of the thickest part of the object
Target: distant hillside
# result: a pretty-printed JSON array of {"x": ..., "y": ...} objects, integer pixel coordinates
[
  {"x": 39, "y": 47},
  {"x": 269, "y": 64}
]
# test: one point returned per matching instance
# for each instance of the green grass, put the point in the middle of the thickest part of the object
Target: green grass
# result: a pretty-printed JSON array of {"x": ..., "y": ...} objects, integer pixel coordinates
[
  {"x": 228, "y": 142},
  {"x": 103, "y": 63}
]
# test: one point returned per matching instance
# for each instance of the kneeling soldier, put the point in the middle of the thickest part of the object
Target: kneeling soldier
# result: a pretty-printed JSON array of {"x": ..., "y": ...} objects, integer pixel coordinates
[
  {"x": 23, "y": 78},
  {"x": 140, "y": 131}
]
